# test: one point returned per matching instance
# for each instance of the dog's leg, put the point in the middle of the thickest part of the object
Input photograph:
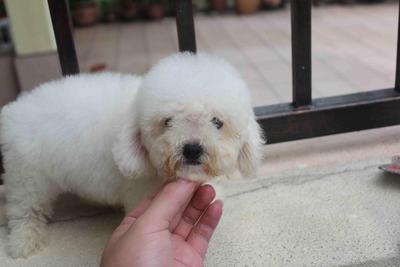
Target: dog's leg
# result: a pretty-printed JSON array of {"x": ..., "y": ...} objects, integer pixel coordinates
[{"x": 28, "y": 208}]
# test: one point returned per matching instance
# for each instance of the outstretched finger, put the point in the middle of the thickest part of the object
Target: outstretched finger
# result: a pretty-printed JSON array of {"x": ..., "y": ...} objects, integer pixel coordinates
[
  {"x": 167, "y": 204},
  {"x": 201, "y": 234},
  {"x": 199, "y": 203}
]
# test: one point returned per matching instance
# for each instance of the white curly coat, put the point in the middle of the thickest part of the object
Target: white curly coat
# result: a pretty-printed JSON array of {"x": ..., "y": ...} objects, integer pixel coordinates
[{"x": 104, "y": 136}]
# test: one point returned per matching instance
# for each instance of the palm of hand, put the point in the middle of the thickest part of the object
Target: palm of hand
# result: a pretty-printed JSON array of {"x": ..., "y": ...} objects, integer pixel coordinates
[
  {"x": 185, "y": 254},
  {"x": 180, "y": 240}
]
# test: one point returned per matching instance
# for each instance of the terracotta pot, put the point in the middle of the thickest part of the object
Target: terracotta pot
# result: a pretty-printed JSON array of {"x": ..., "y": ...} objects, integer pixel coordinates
[
  {"x": 84, "y": 14},
  {"x": 247, "y": 6},
  {"x": 273, "y": 3},
  {"x": 218, "y": 5},
  {"x": 155, "y": 12}
]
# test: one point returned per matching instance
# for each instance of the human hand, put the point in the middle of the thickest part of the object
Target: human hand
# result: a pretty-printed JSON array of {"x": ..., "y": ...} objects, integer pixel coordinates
[{"x": 170, "y": 228}]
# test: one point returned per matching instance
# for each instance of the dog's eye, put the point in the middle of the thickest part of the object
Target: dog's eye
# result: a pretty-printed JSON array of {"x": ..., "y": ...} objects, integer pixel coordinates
[
  {"x": 217, "y": 123},
  {"x": 167, "y": 122}
]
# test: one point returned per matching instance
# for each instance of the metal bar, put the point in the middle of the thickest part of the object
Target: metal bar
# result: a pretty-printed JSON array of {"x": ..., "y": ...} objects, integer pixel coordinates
[
  {"x": 1, "y": 168},
  {"x": 330, "y": 115},
  {"x": 185, "y": 26},
  {"x": 397, "y": 83},
  {"x": 301, "y": 51},
  {"x": 61, "y": 19}
]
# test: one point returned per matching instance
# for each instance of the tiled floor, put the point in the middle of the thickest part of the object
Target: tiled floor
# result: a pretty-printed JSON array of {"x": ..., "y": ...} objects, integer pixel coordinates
[{"x": 354, "y": 48}]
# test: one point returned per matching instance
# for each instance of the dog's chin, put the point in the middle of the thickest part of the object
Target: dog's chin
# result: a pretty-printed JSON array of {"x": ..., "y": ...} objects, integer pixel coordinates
[{"x": 192, "y": 172}]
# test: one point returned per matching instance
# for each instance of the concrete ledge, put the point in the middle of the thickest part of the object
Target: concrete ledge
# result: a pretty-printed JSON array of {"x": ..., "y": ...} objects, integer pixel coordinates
[{"x": 345, "y": 215}]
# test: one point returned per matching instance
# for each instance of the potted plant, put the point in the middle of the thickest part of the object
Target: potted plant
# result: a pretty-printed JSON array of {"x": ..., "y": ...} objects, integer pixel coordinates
[
  {"x": 108, "y": 12},
  {"x": 84, "y": 12},
  {"x": 5, "y": 37},
  {"x": 218, "y": 5},
  {"x": 247, "y": 6},
  {"x": 129, "y": 10},
  {"x": 2, "y": 9},
  {"x": 156, "y": 9}
]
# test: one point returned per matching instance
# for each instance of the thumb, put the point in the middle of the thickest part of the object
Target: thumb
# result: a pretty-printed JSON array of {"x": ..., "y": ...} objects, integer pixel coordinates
[{"x": 172, "y": 199}]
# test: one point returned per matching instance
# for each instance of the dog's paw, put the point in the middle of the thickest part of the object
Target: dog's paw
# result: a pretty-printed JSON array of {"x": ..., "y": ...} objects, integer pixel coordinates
[
  {"x": 26, "y": 239},
  {"x": 25, "y": 248}
]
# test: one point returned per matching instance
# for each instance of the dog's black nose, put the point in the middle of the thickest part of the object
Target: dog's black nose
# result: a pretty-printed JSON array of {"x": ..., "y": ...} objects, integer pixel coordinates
[{"x": 192, "y": 152}]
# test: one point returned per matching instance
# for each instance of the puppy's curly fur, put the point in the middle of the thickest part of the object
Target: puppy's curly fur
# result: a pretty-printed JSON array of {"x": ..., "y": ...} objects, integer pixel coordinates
[{"x": 101, "y": 135}]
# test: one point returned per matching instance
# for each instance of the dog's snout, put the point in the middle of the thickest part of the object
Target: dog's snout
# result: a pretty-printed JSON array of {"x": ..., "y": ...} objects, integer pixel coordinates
[{"x": 192, "y": 152}]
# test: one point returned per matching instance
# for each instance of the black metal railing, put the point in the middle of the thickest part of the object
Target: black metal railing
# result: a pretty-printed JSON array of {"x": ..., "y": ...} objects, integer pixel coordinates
[
  {"x": 185, "y": 26},
  {"x": 62, "y": 26},
  {"x": 301, "y": 52},
  {"x": 397, "y": 83},
  {"x": 303, "y": 117}
]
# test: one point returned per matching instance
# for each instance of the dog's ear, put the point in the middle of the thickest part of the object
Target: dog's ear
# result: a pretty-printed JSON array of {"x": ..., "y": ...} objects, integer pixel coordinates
[
  {"x": 250, "y": 154},
  {"x": 129, "y": 154}
]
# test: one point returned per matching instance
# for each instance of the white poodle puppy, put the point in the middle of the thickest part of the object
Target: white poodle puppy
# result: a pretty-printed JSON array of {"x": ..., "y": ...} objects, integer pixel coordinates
[{"x": 100, "y": 135}]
